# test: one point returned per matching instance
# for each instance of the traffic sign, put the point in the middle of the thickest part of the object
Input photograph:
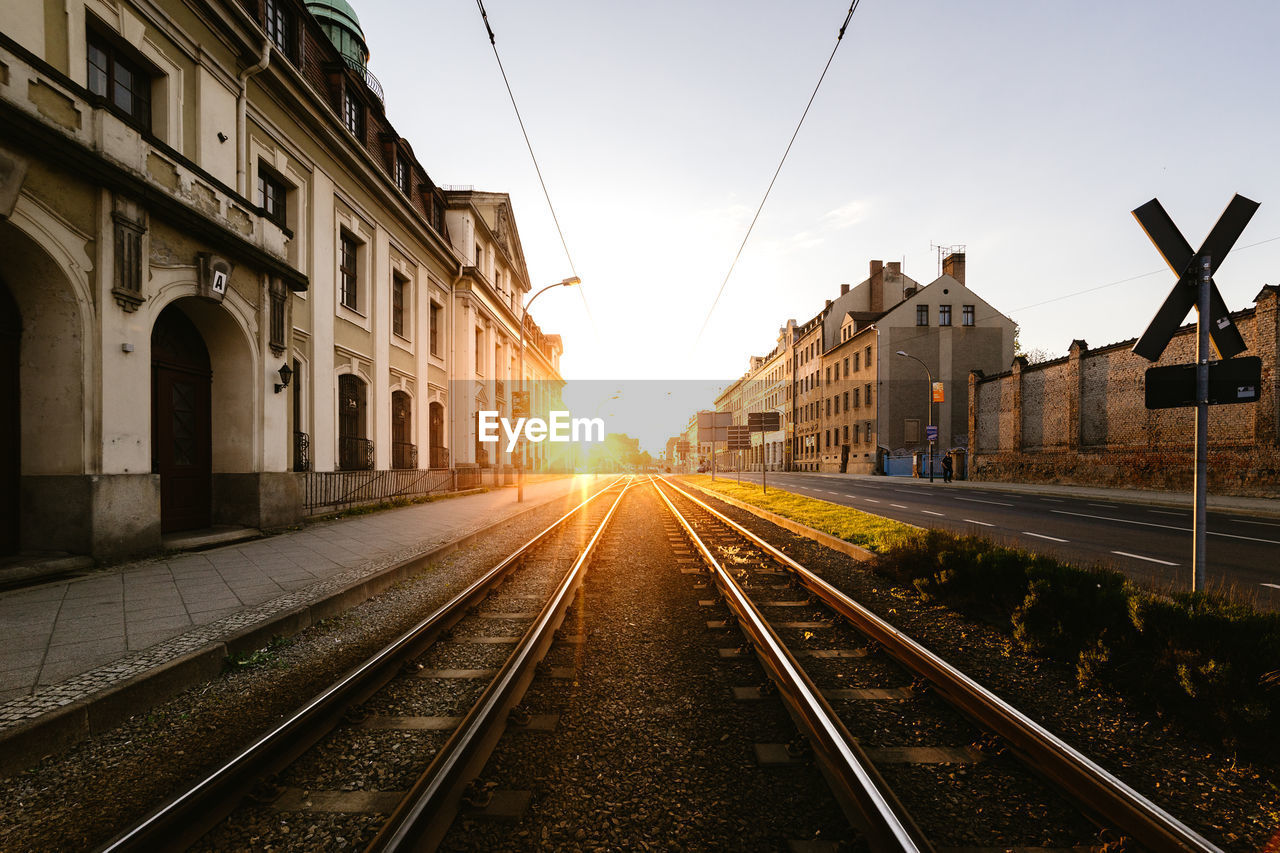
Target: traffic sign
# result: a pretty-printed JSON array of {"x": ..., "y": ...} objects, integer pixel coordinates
[
  {"x": 1236, "y": 380},
  {"x": 764, "y": 421},
  {"x": 937, "y": 393},
  {"x": 712, "y": 426},
  {"x": 739, "y": 437},
  {"x": 931, "y": 432},
  {"x": 1178, "y": 255}
]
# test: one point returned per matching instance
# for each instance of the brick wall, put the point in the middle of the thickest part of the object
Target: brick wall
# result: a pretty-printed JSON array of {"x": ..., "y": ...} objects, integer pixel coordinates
[{"x": 1082, "y": 419}]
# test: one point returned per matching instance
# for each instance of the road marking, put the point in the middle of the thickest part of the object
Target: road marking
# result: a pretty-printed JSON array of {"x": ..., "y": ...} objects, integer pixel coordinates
[
  {"x": 976, "y": 501},
  {"x": 931, "y": 512},
  {"x": 871, "y": 500},
  {"x": 1167, "y": 511},
  {"x": 1261, "y": 523},
  {"x": 1104, "y": 506},
  {"x": 972, "y": 521},
  {"x": 1165, "y": 526},
  {"x": 1140, "y": 557},
  {"x": 897, "y": 506},
  {"x": 1272, "y": 585},
  {"x": 1042, "y": 536},
  {"x": 1053, "y": 500}
]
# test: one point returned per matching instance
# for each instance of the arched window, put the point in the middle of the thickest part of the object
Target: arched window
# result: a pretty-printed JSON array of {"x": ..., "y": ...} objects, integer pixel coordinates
[
  {"x": 439, "y": 453},
  {"x": 355, "y": 452},
  {"x": 404, "y": 454}
]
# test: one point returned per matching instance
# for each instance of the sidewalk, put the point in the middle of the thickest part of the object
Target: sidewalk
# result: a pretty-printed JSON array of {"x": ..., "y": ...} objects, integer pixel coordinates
[
  {"x": 79, "y": 655},
  {"x": 1266, "y": 507}
]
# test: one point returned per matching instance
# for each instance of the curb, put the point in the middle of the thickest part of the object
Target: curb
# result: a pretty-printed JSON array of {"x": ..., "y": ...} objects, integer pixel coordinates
[
  {"x": 57, "y": 731},
  {"x": 826, "y": 539}
]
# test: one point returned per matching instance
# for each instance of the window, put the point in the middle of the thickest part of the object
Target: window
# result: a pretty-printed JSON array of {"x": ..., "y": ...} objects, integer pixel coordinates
[
  {"x": 281, "y": 27},
  {"x": 828, "y": 407},
  {"x": 867, "y": 394},
  {"x": 922, "y": 315},
  {"x": 911, "y": 431},
  {"x": 856, "y": 396},
  {"x": 121, "y": 79},
  {"x": 966, "y": 315},
  {"x": 944, "y": 315},
  {"x": 354, "y": 451},
  {"x": 273, "y": 194},
  {"x": 435, "y": 329},
  {"x": 403, "y": 179},
  {"x": 846, "y": 399},
  {"x": 867, "y": 357},
  {"x": 479, "y": 350},
  {"x": 353, "y": 116},
  {"x": 348, "y": 272},
  {"x": 846, "y": 433},
  {"x": 828, "y": 375},
  {"x": 856, "y": 439},
  {"x": 856, "y": 366},
  {"x": 868, "y": 430},
  {"x": 846, "y": 364},
  {"x": 399, "y": 284}
]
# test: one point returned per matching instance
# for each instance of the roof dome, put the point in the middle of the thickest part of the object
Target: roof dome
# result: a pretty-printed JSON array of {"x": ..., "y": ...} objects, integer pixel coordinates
[{"x": 340, "y": 24}]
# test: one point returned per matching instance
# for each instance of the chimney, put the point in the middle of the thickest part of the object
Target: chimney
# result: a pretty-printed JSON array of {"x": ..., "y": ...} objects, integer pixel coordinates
[
  {"x": 828, "y": 308},
  {"x": 844, "y": 288},
  {"x": 953, "y": 265},
  {"x": 877, "y": 287}
]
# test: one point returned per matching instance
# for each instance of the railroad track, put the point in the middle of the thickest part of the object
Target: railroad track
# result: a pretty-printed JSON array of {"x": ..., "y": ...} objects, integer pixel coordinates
[
  {"x": 436, "y": 700},
  {"x": 812, "y": 660}
]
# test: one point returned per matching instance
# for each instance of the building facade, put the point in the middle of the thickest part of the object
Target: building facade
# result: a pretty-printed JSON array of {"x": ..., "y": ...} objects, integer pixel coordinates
[{"x": 224, "y": 277}]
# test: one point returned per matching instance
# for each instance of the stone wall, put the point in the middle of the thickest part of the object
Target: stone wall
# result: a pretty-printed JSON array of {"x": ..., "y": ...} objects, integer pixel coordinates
[{"x": 1082, "y": 419}]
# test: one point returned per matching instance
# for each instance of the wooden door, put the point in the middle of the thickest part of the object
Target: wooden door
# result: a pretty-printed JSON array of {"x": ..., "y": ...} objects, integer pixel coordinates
[{"x": 181, "y": 428}]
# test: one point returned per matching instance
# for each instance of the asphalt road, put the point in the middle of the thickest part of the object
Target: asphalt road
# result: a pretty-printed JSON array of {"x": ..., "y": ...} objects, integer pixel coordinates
[{"x": 1151, "y": 544}]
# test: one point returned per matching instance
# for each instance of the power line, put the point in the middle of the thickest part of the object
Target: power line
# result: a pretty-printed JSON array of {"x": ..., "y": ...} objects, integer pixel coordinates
[
  {"x": 538, "y": 169},
  {"x": 776, "y": 172}
]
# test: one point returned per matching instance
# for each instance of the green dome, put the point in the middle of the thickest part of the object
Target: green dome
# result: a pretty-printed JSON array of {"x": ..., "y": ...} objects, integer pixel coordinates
[{"x": 340, "y": 24}]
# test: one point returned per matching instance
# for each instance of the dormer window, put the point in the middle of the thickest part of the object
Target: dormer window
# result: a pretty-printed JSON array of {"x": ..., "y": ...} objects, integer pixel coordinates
[
  {"x": 403, "y": 179},
  {"x": 353, "y": 115},
  {"x": 282, "y": 28}
]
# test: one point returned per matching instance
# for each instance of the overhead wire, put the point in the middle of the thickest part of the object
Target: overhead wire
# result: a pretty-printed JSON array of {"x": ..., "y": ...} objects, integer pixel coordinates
[
  {"x": 839, "y": 37},
  {"x": 538, "y": 169}
]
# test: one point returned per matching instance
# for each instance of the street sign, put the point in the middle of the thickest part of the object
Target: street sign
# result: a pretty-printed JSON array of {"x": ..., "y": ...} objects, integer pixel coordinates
[
  {"x": 1236, "y": 380},
  {"x": 764, "y": 421},
  {"x": 739, "y": 437},
  {"x": 682, "y": 446},
  {"x": 1178, "y": 255},
  {"x": 931, "y": 432},
  {"x": 937, "y": 393}
]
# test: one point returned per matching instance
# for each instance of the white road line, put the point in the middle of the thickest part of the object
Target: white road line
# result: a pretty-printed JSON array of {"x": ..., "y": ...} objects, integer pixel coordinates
[
  {"x": 871, "y": 500},
  {"x": 897, "y": 506},
  {"x": 976, "y": 501},
  {"x": 1167, "y": 512},
  {"x": 931, "y": 512},
  {"x": 1104, "y": 506},
  {"x": 1164, "y": 526},
  {"x": 1140, "y": 557},
  {"x": 1053, "y": 500},
  {"x": 1272, "y": 585},
  {"x": 972, "y": 521},
  {"x": 1042, "y": 536},
  {"x": 1259, "y": 523}
]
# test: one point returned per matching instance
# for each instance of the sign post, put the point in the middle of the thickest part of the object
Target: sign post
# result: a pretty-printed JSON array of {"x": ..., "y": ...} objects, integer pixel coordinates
[
  {"x": 763, "y": 422},
  {"x": 713, "y": 427},
  {"x": 1195, "y": 288}
]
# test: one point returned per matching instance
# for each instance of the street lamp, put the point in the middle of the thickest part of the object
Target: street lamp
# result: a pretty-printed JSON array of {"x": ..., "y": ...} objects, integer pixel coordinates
[
  {"x": 929, "y": 399},
  {"x": 524, "y": 386}
]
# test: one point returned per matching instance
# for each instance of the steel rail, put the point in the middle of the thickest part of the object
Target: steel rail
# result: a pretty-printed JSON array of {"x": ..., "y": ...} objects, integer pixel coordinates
[
  {"x": 181, "y": 821},
  {"x": 424, "y": 814},
  {"x": 1096, "y": 788},
  {"x": 865, "y": 797}
]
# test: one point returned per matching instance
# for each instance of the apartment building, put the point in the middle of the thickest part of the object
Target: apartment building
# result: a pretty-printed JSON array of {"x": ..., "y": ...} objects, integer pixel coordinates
[{"x": 226, "y": 279}]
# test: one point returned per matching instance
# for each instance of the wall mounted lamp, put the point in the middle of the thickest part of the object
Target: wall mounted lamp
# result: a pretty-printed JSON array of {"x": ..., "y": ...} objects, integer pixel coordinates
[{"x": 286, "y": 373}]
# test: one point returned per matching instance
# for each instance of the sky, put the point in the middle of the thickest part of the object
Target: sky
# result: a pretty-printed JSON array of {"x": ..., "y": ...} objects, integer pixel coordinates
[{"x": 1024, "y": 131}]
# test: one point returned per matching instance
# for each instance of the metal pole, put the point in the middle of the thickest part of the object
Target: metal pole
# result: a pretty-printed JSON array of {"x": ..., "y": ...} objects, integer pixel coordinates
[
  {"x": 524, "y": 391},
  {"x": 764, "y": 467},
  {"x": 1199, "y": 557}
]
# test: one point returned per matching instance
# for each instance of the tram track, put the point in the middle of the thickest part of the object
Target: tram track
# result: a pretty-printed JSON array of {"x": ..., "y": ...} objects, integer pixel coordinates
[
  {"x": 549, "y": 568},
  {"x": 733, "y": 554}
]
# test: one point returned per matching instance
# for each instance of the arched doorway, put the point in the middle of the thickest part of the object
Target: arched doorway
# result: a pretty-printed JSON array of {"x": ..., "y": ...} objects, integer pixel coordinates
[
  {"x": 355, "y": 452},
  {"x": 439, "y": 453},
  {"x": 181, "y": 431},
  {"x": 404, "y": 454},
  {"x": 10, "y": 420}
]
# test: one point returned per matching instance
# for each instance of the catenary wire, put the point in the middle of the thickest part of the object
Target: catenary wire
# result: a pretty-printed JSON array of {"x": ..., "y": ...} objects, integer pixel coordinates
[
  {"x": 538, "y": 169},
  {"x": 852, "y": 7}
]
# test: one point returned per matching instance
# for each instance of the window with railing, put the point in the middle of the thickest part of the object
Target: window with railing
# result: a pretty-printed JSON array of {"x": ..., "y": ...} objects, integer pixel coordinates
[{"x": 355, "y": 452}]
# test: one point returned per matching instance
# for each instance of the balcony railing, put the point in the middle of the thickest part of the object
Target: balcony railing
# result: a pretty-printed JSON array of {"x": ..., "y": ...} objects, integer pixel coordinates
[
  {"x": 404, "y": 455},
  {"x": 439, "y": 456},
  {"x": 355, "y": 454},
  {"x": 301, "y": 451},
  {"x": 369, "y": 80}
]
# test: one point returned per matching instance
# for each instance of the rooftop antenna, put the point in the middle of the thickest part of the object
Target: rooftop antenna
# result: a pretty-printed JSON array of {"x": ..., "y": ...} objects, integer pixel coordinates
[{"x": 943, "y": 251}]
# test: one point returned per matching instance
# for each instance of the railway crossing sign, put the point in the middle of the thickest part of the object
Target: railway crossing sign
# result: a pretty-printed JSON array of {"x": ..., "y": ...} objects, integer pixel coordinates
[{"x": 1177, "y": 253}]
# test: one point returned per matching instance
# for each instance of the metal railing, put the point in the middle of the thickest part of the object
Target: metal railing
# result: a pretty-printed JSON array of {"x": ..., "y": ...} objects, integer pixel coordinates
[
  {"x": 438, "y": 456},
  {"x": 301, "y": 451},
  {"x": 369, "y": 80},
  {"x": 326, "y": 490},
  {"x": 355, "y": 454},
  {"x": 404, "y": 455}
]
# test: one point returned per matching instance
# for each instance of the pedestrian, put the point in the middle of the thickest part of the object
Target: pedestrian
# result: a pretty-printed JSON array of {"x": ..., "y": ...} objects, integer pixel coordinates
[{"x": 946, "y": 468}]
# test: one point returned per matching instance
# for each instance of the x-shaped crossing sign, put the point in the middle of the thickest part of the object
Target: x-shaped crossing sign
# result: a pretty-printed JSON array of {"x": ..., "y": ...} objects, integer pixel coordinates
[{"x": 1185, "y": 264}]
